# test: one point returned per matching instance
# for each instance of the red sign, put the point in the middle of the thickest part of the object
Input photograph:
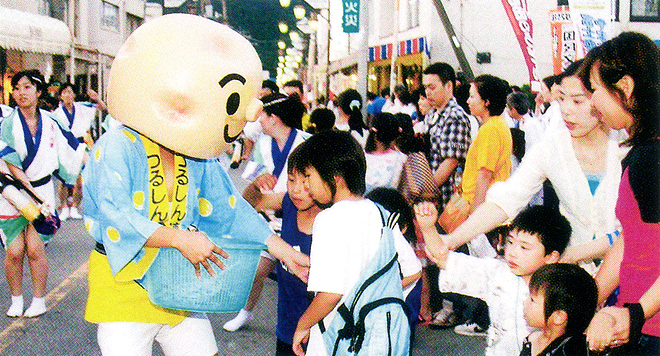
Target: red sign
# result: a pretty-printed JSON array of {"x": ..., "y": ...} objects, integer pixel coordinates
[{"x": 516, "y": 10}]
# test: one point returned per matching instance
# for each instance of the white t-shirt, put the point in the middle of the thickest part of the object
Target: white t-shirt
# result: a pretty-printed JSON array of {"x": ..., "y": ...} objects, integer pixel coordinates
[
  {"x": 346, "y": 237},
  {"x": 362, "y": 139}
]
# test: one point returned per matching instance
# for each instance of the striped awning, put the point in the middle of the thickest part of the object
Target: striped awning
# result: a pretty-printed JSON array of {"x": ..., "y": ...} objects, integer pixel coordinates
[
  {"x": 27, "y": 32},
  {"x": 411, "y": 46}
]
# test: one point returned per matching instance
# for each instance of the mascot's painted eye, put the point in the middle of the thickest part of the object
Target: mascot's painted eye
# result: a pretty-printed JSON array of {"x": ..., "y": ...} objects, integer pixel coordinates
[{"x": 233, "y": 102}]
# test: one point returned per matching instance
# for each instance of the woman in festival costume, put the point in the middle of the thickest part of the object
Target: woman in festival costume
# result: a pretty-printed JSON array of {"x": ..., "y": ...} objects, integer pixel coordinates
[
  {"x": 33, "y": 146},
  {"x": 78, "y": 116},
  {"x": 281, "y": 122},
  {"x": 151, "y": 180}
]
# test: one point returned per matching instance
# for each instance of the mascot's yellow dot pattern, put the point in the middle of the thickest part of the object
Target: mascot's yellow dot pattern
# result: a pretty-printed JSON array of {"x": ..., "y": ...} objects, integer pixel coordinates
[
  {"x": 113, "y": 234},
  {"x": 129, "y": 135},
  {"x": 138, "y": 200},
  {"x": 232, "y": 201},
  {"x": 89, "y": 223},
  {"x": 97, "y": 154},
  {"x": 205, "y": 207}
]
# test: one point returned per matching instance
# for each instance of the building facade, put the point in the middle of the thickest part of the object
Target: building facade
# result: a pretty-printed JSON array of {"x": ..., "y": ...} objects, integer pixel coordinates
[
  {"x": 67, "y": 40},
  {"x": 406, "y": 35}
]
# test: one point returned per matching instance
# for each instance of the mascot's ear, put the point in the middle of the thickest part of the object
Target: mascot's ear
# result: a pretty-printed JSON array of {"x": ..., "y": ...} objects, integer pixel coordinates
[{"x": 253, "y": 110}]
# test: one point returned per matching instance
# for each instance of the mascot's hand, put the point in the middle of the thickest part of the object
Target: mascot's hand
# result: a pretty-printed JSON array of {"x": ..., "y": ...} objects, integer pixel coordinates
[{"x": 198, "y": 249}]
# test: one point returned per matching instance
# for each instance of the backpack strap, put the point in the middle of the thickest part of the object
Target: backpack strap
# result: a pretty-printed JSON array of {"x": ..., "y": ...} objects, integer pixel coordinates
[
  {"x": 360, "y": 327},
  {"x": 388, "y": 219},
  {"x": 343, "y": 310}
]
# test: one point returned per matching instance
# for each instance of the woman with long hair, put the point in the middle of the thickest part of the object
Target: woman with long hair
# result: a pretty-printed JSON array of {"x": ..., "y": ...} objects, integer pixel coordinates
[
  {"x": 34, "y": 145},
  {"x": 281, "y": 122},
  {"x": 350, "y": 115},
  {"x": 623, "y": 75},
  {"x": 583, "y": 163}
]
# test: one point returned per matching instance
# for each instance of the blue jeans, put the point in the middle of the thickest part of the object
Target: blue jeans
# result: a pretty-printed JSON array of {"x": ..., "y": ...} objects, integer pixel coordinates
[{"x": 647, "y": 345}]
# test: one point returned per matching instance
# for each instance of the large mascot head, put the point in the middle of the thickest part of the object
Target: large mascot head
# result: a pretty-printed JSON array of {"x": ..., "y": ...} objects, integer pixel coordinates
[{"x": 186, "y": 82}]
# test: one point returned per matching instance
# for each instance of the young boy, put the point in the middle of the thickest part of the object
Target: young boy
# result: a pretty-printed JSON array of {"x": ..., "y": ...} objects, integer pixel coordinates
[
  {"x": 346, "y": 235},
  {"x": 562, "y": 300},
  {"x": 538, "y": 236},
  {"x": 298, "y": 213}
]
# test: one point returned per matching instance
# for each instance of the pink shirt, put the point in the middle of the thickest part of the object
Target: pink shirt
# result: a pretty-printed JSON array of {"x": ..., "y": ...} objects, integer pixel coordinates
[{"x": 641, "y": 257}]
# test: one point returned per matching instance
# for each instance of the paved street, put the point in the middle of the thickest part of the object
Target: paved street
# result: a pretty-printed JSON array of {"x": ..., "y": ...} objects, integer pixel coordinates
[{"x": 63, "y": 331}]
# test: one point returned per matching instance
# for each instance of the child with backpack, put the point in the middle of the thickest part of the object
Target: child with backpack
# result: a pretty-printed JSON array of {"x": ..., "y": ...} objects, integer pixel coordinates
[
  {"x": 562, "y": 300},
  {"x": 538, "y": 236},
  {"x": 347, "y": 237}
]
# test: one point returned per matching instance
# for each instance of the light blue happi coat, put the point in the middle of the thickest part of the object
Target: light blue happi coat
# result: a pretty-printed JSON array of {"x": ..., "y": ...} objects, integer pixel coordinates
[{"x": 116, "y": 197}]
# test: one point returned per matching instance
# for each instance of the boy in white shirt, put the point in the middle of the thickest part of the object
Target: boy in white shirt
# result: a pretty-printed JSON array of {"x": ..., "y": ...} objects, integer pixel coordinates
[
  {"x": 537, "y": 237},
  {"x": 346, "y": 235}
]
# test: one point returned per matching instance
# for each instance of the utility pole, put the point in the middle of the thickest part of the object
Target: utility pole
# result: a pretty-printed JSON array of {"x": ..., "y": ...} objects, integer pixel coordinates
[
  {"x": 363, "y": 53},
  {"x": 453, "y": 39}
]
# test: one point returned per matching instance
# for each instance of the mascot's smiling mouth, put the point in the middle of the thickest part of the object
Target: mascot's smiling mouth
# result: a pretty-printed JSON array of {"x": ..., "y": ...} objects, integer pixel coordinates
[{"x": 230, "y": 139}]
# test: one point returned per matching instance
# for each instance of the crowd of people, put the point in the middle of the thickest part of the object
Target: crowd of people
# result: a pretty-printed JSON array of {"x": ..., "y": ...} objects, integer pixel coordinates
[
  {"x": 554, "y": 172},
  {"x": 537, "y": 228}
]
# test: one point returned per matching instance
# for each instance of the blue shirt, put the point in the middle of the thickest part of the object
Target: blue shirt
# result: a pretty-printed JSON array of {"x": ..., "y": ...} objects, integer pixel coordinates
[{"x": 292, "y": 296}]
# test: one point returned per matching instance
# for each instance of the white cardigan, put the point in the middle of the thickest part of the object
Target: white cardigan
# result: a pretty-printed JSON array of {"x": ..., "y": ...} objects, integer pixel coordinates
[{"x": 553, "y": 158}]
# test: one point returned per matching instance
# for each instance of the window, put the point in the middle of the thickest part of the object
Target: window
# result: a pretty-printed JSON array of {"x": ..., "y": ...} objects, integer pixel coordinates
[
  {"x": 386, "y": 17},
  {"x": 132, "y": 22},
  {"x": 412, "y": 14},
  {"x": 644, "y": 10},
  {"x": 58, "y": 9},
  {"x": 110, "y": 16}
]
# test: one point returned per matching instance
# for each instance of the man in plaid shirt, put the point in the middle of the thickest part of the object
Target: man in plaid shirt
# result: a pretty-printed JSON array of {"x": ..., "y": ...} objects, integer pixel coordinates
[{"x": 448, "y": 129}]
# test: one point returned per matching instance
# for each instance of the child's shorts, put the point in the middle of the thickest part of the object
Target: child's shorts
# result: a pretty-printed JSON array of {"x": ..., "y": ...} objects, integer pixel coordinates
[{"x": 192, "y": 336}]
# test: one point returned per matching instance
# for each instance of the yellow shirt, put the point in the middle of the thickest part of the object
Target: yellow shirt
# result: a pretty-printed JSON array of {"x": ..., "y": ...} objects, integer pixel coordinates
[{"x": 490, "y": 150}]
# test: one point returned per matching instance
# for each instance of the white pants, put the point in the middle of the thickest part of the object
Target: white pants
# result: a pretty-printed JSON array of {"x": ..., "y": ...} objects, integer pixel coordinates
[{"x": 191, "y": 337}]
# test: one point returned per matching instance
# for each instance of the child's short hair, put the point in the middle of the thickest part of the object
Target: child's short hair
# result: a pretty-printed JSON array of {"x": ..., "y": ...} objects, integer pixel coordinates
[
  {"x": 295, "y": 161},
  {"x": 570, "y": 288},
  {"x": 335, "y": 153},
  {"x": 394, "y": 202},
  {"x": 548, "y": 224}
]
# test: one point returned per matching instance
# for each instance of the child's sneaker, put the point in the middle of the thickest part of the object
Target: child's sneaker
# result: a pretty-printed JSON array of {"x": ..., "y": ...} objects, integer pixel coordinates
[
  {"x": 444, "y": 318},
  {"x": 470, "y": 329}
]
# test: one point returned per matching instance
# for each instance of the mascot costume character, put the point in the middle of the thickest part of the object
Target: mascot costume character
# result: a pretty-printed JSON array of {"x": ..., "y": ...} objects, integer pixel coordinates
[{"x": 182, "y": 86}]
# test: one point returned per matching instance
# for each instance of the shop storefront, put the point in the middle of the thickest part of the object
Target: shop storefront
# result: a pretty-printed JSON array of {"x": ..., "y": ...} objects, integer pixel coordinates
[
  {"x": 31, "y": 41},
  {"x": 412, "y": 57}
]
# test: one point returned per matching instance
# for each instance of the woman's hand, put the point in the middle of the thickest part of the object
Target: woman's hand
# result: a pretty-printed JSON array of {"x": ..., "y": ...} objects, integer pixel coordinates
[
  {"x": 609, "y": 328},
  {"x": 196, "y": 247}
]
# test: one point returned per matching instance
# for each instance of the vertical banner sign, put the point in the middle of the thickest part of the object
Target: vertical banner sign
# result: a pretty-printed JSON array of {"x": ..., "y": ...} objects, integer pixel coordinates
[
  {"x": 516, "y": 10},
  {"x": 350, "y": 20},
  {"x": 593, "y": 22},
  {"x": 564, "y": 41}
]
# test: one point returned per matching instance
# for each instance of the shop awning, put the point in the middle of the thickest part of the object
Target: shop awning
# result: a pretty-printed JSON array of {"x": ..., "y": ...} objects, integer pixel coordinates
[
  {"x": 411, "y": 46},
  {"x": 27, "y": 32}
]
